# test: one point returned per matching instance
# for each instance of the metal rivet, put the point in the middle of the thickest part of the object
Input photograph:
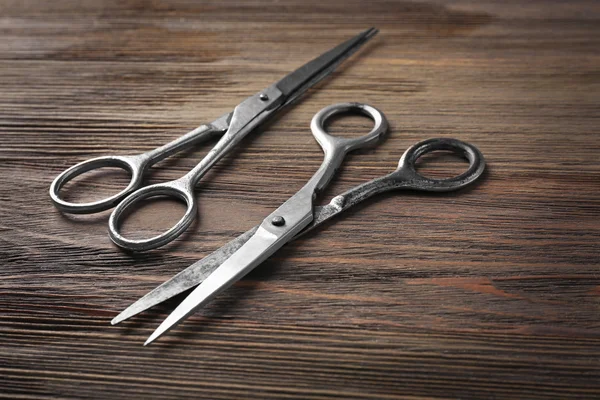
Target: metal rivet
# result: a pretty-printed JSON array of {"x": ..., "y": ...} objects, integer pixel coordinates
[
  {"x": 278, "y": 221},
  {"x": 263, "y": 97}
]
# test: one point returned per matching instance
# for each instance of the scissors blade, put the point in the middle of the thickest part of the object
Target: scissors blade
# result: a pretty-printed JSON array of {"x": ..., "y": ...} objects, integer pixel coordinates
[
  {"x": 296, "y": 83},
  {"x": 197, "y": 272},
  {"x": 186, "y": 279},
  {"x": 258, "y": 248}
]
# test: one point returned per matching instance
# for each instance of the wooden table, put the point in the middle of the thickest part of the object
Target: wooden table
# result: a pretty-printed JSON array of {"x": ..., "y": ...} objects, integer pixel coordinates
[{"x": 491, "y": 292}]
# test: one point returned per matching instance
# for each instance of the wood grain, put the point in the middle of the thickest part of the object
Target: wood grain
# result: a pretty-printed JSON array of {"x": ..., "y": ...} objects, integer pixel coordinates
[{"x": 491, "y": 292}]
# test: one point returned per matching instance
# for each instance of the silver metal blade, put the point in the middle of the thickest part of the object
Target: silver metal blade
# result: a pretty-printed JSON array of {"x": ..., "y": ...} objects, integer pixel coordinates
[
  {"x": 297, "y": 82},
  {"x": 200, "y": 270},
  {"x": 258, "y": 248},
  {"x": 186, "y": 279}
]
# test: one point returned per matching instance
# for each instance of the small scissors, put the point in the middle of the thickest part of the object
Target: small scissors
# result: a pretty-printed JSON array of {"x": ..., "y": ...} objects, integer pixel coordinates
[
  {"x": 235, "y": 126},
  {"x": 296, "y": 216}
]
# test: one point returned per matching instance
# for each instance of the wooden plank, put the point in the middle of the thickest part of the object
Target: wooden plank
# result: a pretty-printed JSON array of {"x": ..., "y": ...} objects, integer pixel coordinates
[{"x": 491, "y": 292}]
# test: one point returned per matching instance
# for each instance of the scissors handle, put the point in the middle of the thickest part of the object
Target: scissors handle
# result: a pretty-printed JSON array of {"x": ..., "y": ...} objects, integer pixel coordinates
[
  {"x": 335, "y": 147},
  {"x": 136, "y": 165},
  {"x": 407, "y": 177}
]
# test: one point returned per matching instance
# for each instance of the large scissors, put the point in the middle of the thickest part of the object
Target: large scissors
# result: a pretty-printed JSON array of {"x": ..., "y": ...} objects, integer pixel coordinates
[
  {"x": 296, "y": 216},
  {"x": 235, "y": 126}
]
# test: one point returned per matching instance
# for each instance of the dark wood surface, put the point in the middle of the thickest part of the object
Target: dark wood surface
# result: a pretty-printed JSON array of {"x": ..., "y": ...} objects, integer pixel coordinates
[{"x": 491, "y": 292}]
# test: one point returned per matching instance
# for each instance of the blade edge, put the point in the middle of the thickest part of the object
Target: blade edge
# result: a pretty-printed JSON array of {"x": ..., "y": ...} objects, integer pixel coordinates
[
  {"x": 186, "y": 279},
  {"x": 197, "y": 272},
  {"x": 299, "y": 81},
  {"x": 258, "y": 248}
]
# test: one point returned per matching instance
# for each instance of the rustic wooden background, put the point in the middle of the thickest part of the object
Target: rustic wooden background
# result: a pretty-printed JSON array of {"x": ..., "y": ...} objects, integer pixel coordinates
[{"x": 492, "y": 292}]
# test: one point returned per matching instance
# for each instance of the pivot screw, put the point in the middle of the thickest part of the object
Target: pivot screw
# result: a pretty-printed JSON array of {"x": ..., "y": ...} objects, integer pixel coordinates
[
  {"x": 263, "y": 97},
  {"x": 278, "y": 221}
]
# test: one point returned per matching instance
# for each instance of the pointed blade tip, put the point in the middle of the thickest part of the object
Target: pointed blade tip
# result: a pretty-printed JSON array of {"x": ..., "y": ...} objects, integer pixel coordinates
[
  {"x": 372, "y": 31},
  {"x": 120, "y": 318},
  {"x": 295, "y": 80},
  {"x": 368, "y": 34},
  {"x": 170, "y": 322},
  {"x": 124, "y": 315},
  {"x": 155, "y": 335}
]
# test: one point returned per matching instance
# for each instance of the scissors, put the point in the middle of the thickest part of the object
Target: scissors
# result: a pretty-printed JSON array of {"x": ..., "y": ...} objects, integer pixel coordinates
[
  {"x": 233, "y": 126},
  {"x": 296, "y": 216}
]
